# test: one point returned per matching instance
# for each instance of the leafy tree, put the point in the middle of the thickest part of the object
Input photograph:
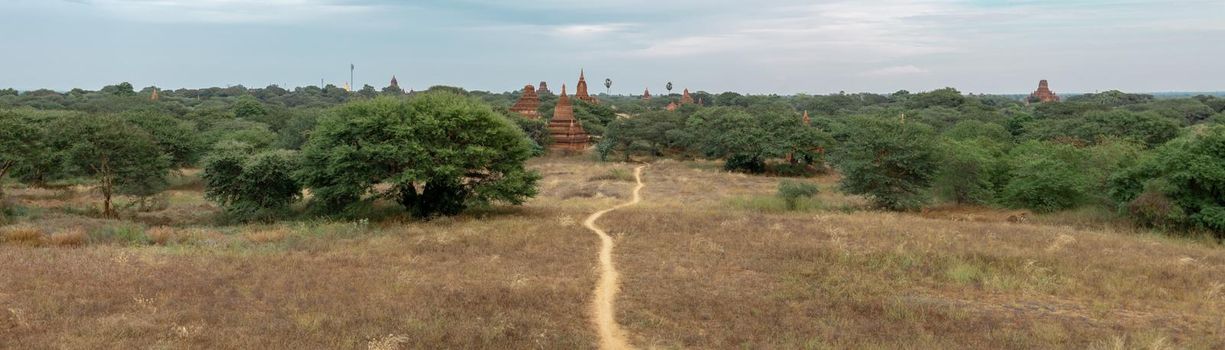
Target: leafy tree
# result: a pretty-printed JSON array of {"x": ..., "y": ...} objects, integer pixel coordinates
[
  {"x": 20, "y": 144},
  {"x": 946, "y": 97},
  {"x": 249, "y": 108},
  {"x": 440, "y": 152},
  {"x": 256, "y": 134},
  {"x": 650, "y": 133},
  {"x": 1046, "y": 177},
  {"x": 175, "y": 137},
  {"x": 747, "y": 138},
  {"x": 251, "y": 186},
  {"x": 891, "y": 162},
  {"x": 966, "y": 173},
  {"x": 122, "y": 157},
  {"x": 1182, "y": 182},
  {"x": 973, "y": 129}
]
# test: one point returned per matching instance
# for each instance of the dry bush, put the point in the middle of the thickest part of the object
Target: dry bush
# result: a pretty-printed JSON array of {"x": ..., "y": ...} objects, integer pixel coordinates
[
  {"x": 614, "y": 174},
  {"x": 266, "y": 235},
  {"x": 22, "y": 235},
  {"x": 72, "y": 237}
]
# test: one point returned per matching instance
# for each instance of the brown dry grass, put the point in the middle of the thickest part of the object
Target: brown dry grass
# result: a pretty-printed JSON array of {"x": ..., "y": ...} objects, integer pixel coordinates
[{"x": 696, "y": 272}]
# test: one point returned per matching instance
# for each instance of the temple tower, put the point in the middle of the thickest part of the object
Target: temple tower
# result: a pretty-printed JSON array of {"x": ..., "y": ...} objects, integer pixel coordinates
[
  {"x": 686, "y": 98},
  {"x": 1043, "y": 94},
  {"x": 646, "y": 94},
  {"x": 581, "y": 90},
  {"x": 567, "y": 132},
  {"x": 528, "y": 103}
]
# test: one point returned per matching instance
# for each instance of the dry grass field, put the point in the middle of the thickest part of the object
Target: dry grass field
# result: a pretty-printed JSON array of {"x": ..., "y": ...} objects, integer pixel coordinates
[{"x": 707, "y": 260}]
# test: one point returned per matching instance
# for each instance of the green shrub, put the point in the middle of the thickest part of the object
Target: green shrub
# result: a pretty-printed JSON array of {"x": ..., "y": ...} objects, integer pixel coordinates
[
  {"x": 1045, "y": 177},
  {"x": 1182, "y": 181},
  {"x": 792, "y": 191},
  {"x": 252, "y": 187},
  {"x": 965, "y": 174},
  {"x": 891, "y": 162}
]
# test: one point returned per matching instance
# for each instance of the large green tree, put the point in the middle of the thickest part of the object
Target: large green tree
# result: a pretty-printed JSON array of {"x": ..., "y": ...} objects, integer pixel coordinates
[
  {"x": 439, "y": 152},
  {"x": 890, "y": 161},
  {"x": 122, "y": 157}
]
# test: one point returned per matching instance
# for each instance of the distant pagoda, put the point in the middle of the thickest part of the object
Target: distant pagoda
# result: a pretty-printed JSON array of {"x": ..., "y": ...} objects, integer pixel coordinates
[
  {"x": 671, "y": 106},
  {"x": 543, "y": 89},
  {"x": 528, "y": 103},
  {"x": 567, "y": 132},
  {"x": 1043, "y": 94},
  {"x": 581, "y": 90},
  {"x": 686, "y": 98},
  {"x": 646, "y": 94},
  {"x": 394, "y": 83},
  {"x": 154, "y": 96},
  {"x": 806, "y": 119}
]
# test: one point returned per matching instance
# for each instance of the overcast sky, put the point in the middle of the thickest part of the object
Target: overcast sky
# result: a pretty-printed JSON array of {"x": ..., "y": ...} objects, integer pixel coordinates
[{"x": 785, "y": 46}]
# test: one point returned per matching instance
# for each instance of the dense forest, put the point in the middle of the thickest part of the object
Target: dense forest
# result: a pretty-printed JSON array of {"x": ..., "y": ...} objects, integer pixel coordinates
[{"x": 1156, "y": 161}]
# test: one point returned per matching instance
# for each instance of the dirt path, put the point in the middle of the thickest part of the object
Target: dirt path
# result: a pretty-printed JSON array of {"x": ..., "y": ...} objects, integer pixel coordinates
[{"x": 611, "y": 336}]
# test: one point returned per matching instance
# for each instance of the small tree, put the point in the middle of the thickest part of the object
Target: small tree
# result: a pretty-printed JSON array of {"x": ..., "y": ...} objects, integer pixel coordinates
[
  {"x": 439, "y": 151},
  {"x": 965, "y": 173},
  {"x": 251, "y": 186},
  {"x": 122, "y": 157},
  {"x": 792, "y": 191},
  {"x": 1047, "y": 177},
  {"x": 889, "y": 161}
]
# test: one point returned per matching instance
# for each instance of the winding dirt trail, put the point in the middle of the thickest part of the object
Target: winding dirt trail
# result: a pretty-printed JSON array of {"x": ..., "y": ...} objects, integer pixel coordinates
[{"x": 611, "y": 336}]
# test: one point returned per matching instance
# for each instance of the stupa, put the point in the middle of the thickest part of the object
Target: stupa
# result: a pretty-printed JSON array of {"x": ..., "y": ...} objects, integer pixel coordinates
[
  {"x": 686, "y": 98},
  {"x": 1043, "y": 94},
  {"x": 394, "y": 84},
  {"x": 646, "y": 94},
  {"x": 567, "y": 132},
  {"x": 807, "y": 120},
  {"x": 581, "y": 91},
  {"x": 671, "y": 106},
  {"x": 154, "y": 96},
  {"x": 543, "y": 89},
  {"x": 528, "y": 103}
]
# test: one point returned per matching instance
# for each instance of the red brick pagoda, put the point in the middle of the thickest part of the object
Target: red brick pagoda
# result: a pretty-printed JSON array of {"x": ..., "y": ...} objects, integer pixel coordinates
[
  {"x": 567, "y": 132},
  {"x": 1043, "y": 94},
  {"x": 646, "y": 95},
  {"x": 581, "y": 91},
  {"x": 528, "y": 103},
  {"x": 543, "y": 89},
  {"x": 686, "y": 98}
]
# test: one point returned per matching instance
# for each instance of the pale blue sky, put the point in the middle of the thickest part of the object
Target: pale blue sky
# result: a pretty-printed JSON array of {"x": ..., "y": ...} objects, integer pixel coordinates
[{"x": 787, "y": 46}]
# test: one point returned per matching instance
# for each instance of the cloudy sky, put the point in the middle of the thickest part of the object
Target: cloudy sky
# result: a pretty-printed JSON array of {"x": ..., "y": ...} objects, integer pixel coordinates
[{"x": 784, "y": 46}]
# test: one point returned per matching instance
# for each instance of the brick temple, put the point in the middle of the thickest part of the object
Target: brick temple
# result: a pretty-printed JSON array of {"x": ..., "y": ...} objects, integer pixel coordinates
[
  {"x": 567, "y": 132},
  {"x": 581, "y": 91},
  {"x": 1043, "y": 94},
  {"x": 528, "y": 103},
  {"x": 646, "y": 94},
  {"x": 543, "y": 89},
  {"x": 686, "y": 99}
]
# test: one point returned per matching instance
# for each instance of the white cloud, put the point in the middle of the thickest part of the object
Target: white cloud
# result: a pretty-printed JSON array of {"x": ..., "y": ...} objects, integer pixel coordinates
[
  {"x": 895, "y": 71},
  {"x": 228, "y": 11},
  {"x": 588, "y": 30}
]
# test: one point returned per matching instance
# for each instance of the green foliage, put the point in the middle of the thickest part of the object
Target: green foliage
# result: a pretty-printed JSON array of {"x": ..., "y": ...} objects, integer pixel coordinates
[
  {"x": 946, "y": 97},
  {"x": 649, "y": 134},
  {"x": 792, "y": 191},
  {"x": 973, "y": 129},
  {"x": 594, "y": 117},
  {"x": 256, "y": 134},
  {"x": 1181, "y": 182},
  {"x": 1045, "y": 177},
  {"x": 175, "y": 137},
  {"x": 122, "y": 157},
  {"x": 892, "y": 163},
  {"x": 21, "y": 144},
  {"x": 251, "y": 186},
  {"x": 967, "y": 171},
  {"x": 747, "y": 138},
  {"x": 440, "y": 153}
]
